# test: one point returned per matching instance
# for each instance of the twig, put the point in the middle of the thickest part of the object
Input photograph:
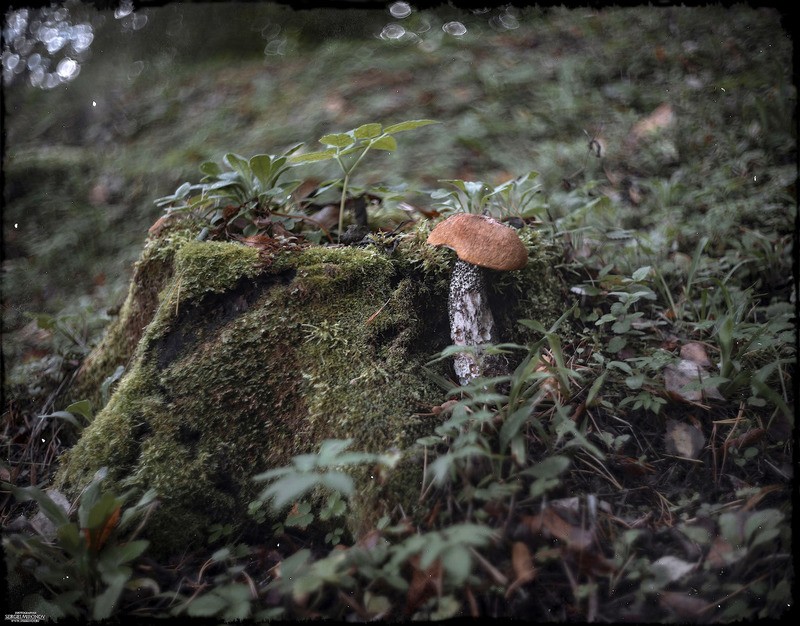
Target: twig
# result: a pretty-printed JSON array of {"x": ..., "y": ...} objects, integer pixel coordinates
[{"x": 496, "y": 574}]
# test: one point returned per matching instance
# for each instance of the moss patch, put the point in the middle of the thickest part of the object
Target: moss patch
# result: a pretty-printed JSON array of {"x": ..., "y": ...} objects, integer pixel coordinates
[{"x": 245, "y": 364}]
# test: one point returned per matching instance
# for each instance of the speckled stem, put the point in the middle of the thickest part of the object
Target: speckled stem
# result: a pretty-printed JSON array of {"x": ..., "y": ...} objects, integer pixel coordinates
[{"x": 471, "y": 321}]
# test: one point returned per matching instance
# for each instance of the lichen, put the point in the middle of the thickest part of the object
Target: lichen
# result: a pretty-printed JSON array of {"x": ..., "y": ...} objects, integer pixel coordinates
[{"x": 245, "y": 364}]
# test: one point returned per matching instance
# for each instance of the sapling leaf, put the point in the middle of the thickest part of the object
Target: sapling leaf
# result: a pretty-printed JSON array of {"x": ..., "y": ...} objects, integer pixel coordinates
[
  {"x": 367, "y": 131},
  {"x": 408, "y": 125},
  {"x": 339, "y": 140},
  {"x": 310, "y": 157},
  {"x": 387, "y": 143},
  {"x": 70, "y": 539}
]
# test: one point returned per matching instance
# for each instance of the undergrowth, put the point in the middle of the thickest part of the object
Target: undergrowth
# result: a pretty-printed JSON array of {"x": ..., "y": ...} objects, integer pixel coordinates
[{"x": 636, "y": 468}]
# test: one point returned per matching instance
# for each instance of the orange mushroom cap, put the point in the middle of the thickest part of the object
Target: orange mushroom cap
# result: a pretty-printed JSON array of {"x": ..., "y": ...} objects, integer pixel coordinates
[{"x": 481, "y": 240}]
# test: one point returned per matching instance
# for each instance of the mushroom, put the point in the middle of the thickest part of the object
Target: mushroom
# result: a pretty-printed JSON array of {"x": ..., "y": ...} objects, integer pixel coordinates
[{"x": 480, "y": 242}]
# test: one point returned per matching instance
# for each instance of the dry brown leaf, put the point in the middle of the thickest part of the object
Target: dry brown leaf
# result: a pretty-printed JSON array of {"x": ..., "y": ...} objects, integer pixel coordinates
[
  {"x": 305, "y": 189},
  {"x": 719, "y": 552},
  {"x": 662, "y": 117},
  {"x": 445, "y": 407},
  {"x": 751, "y": 436},
  {"x": 96, "y": 537},
  {"x": 632, "y": 466},
  {"x": 696, "y": 353},
  {"x": 158, "y": 226},
  {"x": 327, "y": 216},
  {"x": 550, "y": 524},
  {"x": 684, "y": 440},
  {"x": 423, "y": 585},
  {"x": 523, "y": 567}
]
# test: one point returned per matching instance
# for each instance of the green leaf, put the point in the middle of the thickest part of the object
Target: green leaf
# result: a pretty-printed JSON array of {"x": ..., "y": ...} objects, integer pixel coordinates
[
  {"x": 131, "y": 550},
  {"x": 761, "y": 521},
  {"x": 82, "y": 407},
  {"x": 339, "y": 140},
  {"x": 457, "y": 562},
  {"x": 70, "y": 539},
  {"x": 209, "y": 168},
  {"x": 105, "y": 603},
  {"x": 617, "y": 343},
  {"x": 551, "y": 467},
  {"x": 512, "y": 424},
  {"x": 52, "y": 511},
  {"x": 330, "y": 449},
  {"x": 290, "y": 488},
  {"x": 261, "y": 167},
  {"x": 595, "y": 388},
  {"x": 206, "y": 606},
  {"x": 384, "y": 142},
  {"x": 238, "y": 164},
  {"x": 89, "y": 496},
  {"x": 338, "y": 482},
  {"x": 311, "y": 157},
  {"x": 367, "y": 131},
  {"x": 66, "y": 416},
  {"x": 101, "y": 511},
  {"x": 635, "y": 381},
  {"x": 534, "y": 324},
  {"x": 409, "y": 125},
  {"x": 640, "y": 274}
]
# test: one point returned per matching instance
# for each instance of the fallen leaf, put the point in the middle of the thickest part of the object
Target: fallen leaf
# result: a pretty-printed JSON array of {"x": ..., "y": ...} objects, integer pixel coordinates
[
  {"x": 684, "y": 440},
  {"x": 751, "y": 436},
  {"x": 551, "y": 525},
  {"x": 41, "y": 523},
  {"x": 327, "y": 217},
  {"x": 678, "y": 375},
  {"x": 696, "y": 353},
  {"x": 720, "y": 554},
  {"x": 671, "y": 568},
  {"x": 662, "y": 117},
  {"x": 632, "y": 466},
  {"x": 158, "y": 226},
  {"x": 424, "y": 584},
  {"x": 445, "y": 407},
  {"x": 522, "y": 564}
]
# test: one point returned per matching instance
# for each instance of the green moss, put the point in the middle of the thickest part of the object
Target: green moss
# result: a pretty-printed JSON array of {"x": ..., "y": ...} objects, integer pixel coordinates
[
  {"x": 150, "y": 274},
  {"x": 246, "y": 363},
  {"x": 203, "y": 266}
]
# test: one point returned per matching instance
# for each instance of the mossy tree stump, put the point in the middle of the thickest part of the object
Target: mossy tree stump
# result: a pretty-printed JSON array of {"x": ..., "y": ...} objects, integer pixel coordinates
[{"x": 236, "y": 361}]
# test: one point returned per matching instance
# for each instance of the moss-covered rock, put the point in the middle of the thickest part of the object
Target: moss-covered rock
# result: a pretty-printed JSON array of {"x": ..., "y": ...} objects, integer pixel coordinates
[{"x": 247, "y": 360}]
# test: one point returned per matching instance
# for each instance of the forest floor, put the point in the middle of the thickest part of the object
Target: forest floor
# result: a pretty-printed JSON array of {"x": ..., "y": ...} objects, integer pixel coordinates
[{"x": 652, "y": 479}]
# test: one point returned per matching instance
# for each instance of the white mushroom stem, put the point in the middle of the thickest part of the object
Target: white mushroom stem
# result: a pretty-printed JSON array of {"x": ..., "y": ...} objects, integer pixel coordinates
[{"x": 471, "y": 321}]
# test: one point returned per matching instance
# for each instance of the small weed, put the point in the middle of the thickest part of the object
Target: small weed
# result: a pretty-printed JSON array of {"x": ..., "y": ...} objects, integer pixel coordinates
[{"x": 81, "y": 558}]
